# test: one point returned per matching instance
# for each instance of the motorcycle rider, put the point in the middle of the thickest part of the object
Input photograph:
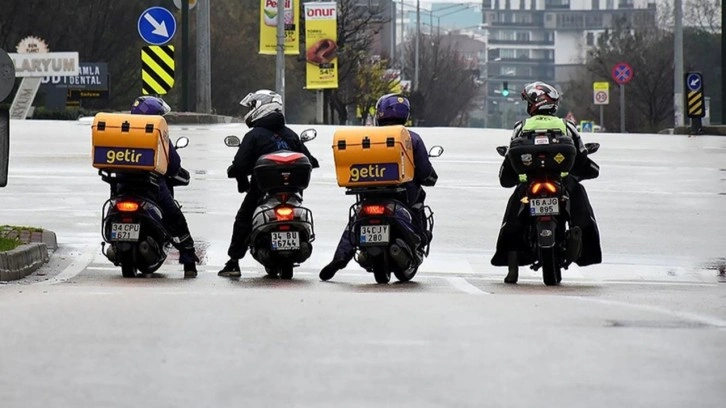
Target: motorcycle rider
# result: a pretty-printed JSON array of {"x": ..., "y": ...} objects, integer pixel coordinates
[
  {"x": 267, "y": 134},
  {"x": 394, "y": 109},
  {"x": 542, "y": 103},
  {"x": 172, "y": 214}
]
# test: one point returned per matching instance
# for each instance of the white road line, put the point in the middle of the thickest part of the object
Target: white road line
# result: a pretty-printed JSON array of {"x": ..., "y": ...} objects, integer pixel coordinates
[
  {"x": 707, "y": 320},
  {"x": 77, "y": 266},
  {"x": 466, "y": 287},
  {"x": 102, "y": 268}
]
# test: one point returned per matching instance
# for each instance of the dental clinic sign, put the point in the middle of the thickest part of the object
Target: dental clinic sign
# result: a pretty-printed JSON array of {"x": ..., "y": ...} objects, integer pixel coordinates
[
  {"x": 91, "y": 76},
  {"x": 33, "y": 61}
]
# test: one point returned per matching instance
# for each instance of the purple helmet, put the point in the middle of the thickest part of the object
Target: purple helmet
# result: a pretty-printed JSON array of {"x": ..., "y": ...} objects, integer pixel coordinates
[
  {"x": 149, "y": 105},
  {"x": 392, "y": 109}
]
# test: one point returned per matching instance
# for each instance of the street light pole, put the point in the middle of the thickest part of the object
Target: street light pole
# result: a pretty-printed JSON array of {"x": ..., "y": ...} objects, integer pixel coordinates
[
  {"x": 403, "y": 43},
  {"x": 418, "y": 40},
  {"x": 678, "y": 64},
  {"x": 204, "y": 76},
  {"x": 280, "y": 60}
]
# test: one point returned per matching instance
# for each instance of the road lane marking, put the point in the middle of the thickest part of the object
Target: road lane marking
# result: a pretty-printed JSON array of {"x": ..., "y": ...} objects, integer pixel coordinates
[
  {"x": 77, "y": 266},
  {"x": 694, "y": 317},
  {"x": 466, "y": 287}
]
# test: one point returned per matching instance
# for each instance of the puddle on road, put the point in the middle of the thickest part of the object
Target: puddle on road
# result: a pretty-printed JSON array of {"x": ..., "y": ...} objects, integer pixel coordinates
[
  {"x": 201, "y": 251},
  {"x": 719, "y": 265},
  {"x": 656, "y": 324}
]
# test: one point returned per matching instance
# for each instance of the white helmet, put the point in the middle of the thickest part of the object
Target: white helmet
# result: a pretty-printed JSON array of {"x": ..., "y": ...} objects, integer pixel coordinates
[{"x": 261, "y": 103}]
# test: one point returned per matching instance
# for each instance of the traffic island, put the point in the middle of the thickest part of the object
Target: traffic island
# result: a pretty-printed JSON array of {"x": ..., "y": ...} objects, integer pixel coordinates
[{"x": 25, "y": 249}]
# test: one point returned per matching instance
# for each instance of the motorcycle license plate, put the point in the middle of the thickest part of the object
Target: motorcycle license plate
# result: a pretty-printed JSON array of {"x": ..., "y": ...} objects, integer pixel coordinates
[
  {"x": 541, "y": 140},
  {"x": 285, "y": 240},
  {"x": 374, "y": 234},
  {"x": 125, "y": 232},
  {"x": 544, "y": 206}
]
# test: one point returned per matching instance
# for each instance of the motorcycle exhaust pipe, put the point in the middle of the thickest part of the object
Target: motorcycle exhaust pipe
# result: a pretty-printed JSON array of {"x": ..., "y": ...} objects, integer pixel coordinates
[
  {"x": 111, "y": 254},
  {"x": 399, "y": 255},
  {"x": 305, "y": 250},
  {"x": 148, "y": 252}
]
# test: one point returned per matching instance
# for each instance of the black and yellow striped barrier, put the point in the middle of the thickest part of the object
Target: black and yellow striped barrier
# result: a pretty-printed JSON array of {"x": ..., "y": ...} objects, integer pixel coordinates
[
  {"x": 157, "y": 69},
  {"x": 695, "y": 106}
]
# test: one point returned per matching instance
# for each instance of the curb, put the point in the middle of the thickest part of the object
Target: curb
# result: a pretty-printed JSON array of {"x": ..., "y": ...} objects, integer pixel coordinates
[
  {"x": 28, "y": 257},
  {"x": 189, "y": 118},
  {"x": 23, "y": 260}
]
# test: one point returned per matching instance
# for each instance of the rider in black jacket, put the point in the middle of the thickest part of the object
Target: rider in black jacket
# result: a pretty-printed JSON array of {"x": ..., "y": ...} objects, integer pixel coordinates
[{"x": 268, "y": 134}]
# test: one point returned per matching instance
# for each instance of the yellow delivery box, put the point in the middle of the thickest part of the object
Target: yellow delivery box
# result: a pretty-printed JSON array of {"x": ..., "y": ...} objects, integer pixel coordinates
[
  {"x": 122, "y": 141},
  {"x": 373, "y": 156}
]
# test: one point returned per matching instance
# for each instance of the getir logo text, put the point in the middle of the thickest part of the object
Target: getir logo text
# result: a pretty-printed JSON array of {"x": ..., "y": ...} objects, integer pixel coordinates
[
  {"x": 373, "y": 172},
  {"x": 123, "y": 157}
]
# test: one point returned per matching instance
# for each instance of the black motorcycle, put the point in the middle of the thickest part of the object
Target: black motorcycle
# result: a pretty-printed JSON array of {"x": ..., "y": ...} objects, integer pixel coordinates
[
  {"x": 545, "y": 157},
  {"x": 388, "y": 236},
  {"x": 282, "y": 229},
  {"x": 132, "y": 220}
]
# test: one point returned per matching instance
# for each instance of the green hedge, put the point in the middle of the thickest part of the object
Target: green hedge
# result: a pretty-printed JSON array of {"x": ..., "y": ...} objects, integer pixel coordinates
[{"x": 64, "y": 114}]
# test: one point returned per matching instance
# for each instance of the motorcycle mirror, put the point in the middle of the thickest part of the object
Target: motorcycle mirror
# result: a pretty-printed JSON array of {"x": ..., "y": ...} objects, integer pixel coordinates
[
  {"x": 308, "y": 135},
  {"x": 232, "y": 141},
  {"x": 592, "y": 147},
  {"x": 502, "y": 150},
  {"x": 182, "y": 142},
  {"x": 436, "y": 151}
]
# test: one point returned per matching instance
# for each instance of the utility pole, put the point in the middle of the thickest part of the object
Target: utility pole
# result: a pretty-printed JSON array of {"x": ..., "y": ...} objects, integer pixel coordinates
[
  {"x": 185, "y": 55},
  {"x": 204, "y": 75},
  {"x": 280, "y": 60},
  {"x": 723, "y": 64},
  {"x": 418, "y": 40},
  {"x": 403, "y": 43},
  {"x": 678, "y": 99}
]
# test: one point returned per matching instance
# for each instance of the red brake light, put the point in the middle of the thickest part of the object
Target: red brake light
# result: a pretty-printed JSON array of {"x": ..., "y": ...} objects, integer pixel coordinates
[
  {"x": 284, "y": 213},
  {"x": 374, "y": 209},
  {"x": 127, "y": 206},
  {"x": 551, "y": 187}
]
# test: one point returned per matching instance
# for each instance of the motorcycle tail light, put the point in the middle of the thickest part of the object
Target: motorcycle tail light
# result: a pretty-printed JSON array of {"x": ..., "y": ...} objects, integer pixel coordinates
[
  {"x": 284, "y": 213},
  {"x": 374, "y": 209},
  {"x": 127, "y": 206},
  {"x": 549, "y": 186}
]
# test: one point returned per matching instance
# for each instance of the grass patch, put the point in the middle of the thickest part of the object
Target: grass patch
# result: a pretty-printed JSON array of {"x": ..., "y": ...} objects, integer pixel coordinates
[
  {"x": 4, "y": 229},
  {"x": 6, "y": 244}
]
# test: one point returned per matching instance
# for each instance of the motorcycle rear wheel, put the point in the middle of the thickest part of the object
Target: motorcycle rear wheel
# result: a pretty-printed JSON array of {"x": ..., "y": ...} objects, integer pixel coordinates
[
  {"x": 382, "y": 274},
  {"x": 551, "y": 274},
  {"x": 286, "y": 272},
  {"x": 402, "y": 276},
  {"x": 128, "y": 269}
]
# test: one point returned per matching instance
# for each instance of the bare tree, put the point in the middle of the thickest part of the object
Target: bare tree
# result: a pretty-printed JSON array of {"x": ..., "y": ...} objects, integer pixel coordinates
[
  {"x": 357, "y": 28},
  {"x": 446, "y": 83}
]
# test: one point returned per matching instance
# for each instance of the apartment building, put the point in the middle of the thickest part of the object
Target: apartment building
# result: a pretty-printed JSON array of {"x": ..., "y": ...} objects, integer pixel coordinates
[{"x": 546, "y": 40}]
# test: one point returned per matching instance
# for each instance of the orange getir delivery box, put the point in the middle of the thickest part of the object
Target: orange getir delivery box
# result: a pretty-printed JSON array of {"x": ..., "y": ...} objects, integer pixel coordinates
[
  {"x": 122, "y": 141},
  {"x": 373, "y": 156}
]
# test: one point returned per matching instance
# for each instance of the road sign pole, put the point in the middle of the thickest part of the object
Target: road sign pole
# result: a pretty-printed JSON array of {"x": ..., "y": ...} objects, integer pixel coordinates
[
  {"x": 204, "y": 76},
  {"x": 185, "y": 55},
  {"x": 622, "y": 108},
  {"x": 280, "y": 59},
  {"x": 602, "y": 117}
]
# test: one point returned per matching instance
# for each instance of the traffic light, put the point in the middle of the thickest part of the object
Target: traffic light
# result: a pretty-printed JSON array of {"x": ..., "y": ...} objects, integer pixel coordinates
[{"x": 505, "y": 88}]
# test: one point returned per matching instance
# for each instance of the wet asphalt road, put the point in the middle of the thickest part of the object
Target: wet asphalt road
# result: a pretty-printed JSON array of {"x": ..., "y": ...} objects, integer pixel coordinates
[{"x": 645, "y": 328}]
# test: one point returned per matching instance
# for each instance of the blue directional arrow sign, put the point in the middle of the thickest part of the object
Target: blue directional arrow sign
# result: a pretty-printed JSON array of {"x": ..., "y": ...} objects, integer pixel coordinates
[
  {"x": 157, "y": 25},
  {"x": 694, "y": 82}
]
